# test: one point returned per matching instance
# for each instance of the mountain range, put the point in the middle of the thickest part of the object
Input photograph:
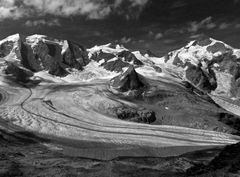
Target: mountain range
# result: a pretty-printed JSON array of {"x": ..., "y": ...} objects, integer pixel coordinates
[{"x": 134, "y": 104}]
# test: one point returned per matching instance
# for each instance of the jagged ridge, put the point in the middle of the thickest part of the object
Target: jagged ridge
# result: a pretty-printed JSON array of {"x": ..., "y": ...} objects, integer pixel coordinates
[
  {"x": 210, "y": 65},
  {"x": 39, "y": 52}
]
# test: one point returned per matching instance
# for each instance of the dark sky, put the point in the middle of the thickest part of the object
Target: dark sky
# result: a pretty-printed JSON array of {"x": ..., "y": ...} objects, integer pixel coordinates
[
  {"x": 149, "y": 10},
  {"x": 158, "y": 25}
]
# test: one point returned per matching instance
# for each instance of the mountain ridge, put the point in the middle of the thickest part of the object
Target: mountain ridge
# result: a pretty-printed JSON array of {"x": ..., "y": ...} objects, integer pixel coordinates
[{"x": 208, "y": 64}]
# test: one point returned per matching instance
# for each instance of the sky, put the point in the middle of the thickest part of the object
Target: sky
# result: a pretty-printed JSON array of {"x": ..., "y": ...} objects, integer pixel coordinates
[
  {"x": 157, "y": 25},
  {"x": 91, "y": 9}
]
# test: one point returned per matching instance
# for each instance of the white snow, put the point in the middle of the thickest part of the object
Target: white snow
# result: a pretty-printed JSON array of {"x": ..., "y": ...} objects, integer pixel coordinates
[
  {"x": 106, "y": 49},
  {"x": 148, "y": 71},
  {"x": 13, "y": 38},
  {"x": 195, "y": 53},
  {"x": 191, "y": 53},
  {"x": 91, "y": 71},
  {"x": 113, "y": 59},
  {"x": 64, "y": 46}
]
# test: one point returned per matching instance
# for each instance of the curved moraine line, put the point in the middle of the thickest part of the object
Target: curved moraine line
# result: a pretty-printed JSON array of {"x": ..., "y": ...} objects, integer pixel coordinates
[
  {"x": 71, "y": 111},
  {"x": 3, "y": 96},
  {"x": 233, "y": 108}
]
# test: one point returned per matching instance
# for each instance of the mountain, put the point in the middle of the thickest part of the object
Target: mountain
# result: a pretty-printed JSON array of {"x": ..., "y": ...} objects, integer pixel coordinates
[
  {"x": 101, "y": 100},
  {"x": 38, "y": 52},
  {"x": 128, "y": 80},
  {"x": 113, "y": 58},
  {"x": 210, "y": 65}
]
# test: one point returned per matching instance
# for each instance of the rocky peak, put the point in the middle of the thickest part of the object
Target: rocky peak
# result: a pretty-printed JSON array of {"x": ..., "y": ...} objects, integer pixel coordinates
[
  {"x": 128, "y": 80},
  {"x": 209, "y": 65},
  {"x": 113, "y": 58},
  {"x": 39, "y": 52}
]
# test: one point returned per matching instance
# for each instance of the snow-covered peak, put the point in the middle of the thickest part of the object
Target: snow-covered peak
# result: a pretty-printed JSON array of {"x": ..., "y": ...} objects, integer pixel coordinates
[
  {"x": 199, "y": 51},
  {"x": 12, "y": 38},
  {"x": 36, "y": 37},
  {"x": 208, "y": 64}
]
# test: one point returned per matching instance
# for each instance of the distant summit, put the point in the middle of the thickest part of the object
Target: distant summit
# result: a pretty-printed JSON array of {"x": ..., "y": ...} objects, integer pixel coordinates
[{"x": 210, "y": 65}]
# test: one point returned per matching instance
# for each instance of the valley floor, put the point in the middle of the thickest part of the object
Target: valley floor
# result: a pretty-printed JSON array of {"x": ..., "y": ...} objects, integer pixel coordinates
[{"x": 76, "y": 116}]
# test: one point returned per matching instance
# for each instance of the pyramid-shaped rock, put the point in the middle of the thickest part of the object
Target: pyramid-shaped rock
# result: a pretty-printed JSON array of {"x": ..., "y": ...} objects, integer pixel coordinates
[{"x": 128, "y": 80}]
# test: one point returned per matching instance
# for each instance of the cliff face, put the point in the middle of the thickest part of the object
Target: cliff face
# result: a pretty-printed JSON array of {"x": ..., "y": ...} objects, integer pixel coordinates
[{"x": 127, "y": 81}]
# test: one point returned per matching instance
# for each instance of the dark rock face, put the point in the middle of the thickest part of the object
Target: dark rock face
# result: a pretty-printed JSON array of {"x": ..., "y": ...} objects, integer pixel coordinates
[
  {"x": 57, "y": 70},
  {"x": 227, "y": 63},
  {"x": 157, "y": 69},
  {"x": 217, "y": 47},
  {"x": 75, "y": 56},
  {"x": 37, "y": 53},
  {"x": 116, "y": 65},
  {"x": 130, "y": 114},
  {"x": 128, "y": 80},
  {"x": 116, "y": 61},
  {"x": 177, "y": 61},
  {"x": 227, "y": 163},
  {"x": 102, "y": 56},
  {"x": 203, "y": 81},
  {"x": 28, "y": 59},
  {"x": 5, "y": 48},
  {"x": 226, "y": 73},
  {"x": 20, "y": 73},
  {"x": 129, "y": 57}
]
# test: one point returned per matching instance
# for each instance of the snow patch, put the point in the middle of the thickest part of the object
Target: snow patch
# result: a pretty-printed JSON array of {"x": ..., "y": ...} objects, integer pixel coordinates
[
  {"x": 91, "y": 72},
  {"x": 106, "y": 49},
  {"x": 148, "y": 71},
  {"x": 64, "y": 46}
]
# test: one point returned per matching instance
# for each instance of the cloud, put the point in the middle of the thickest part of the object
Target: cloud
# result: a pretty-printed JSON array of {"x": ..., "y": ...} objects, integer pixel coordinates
[
  {"x": 92, "y": 9},
  {"x": 42, "y": 22},
  {"x": 204, "y": 24}
]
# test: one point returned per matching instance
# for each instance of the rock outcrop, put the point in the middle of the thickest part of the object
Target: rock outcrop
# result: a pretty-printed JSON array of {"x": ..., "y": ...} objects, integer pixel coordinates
[
  {"x": 128, "y": 80},
  {"x": 19, "y": 73},
  {"x": 114, "y": 58},
  {"x": 136, "y": 115},
  {"x": 38, "y": 52},
  {"x": 227, "y": 163}
]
